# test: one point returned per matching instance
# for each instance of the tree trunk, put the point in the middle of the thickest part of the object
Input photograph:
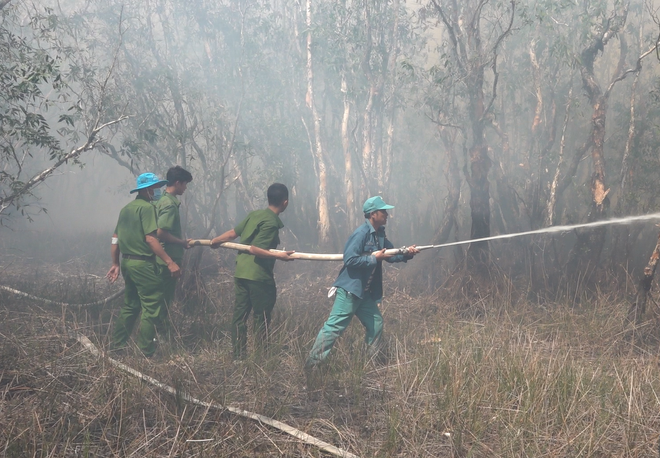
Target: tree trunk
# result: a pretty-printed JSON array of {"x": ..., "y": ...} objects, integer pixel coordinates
[
  {"x": 181, "y": 133},
  {"x": 463, "y": 22},
  {"x": 479, "y": 206},
  {"x": 368, "y": 162},
  {"x": 534, "y": 155},
  {"x": 480, "y": 163},
  {"x": 506, "y": 199},
  {"x": 323, "y": 223},
  {"x": 453, "y": 189},
  {"x": 552, "y": 199},
  {"x": 585, "y": 255},
  {"x": 348, "y": 157},
  {"x": 638, "y": 307},
  {"x": 388, "y": 152},
  {"x": 624, "y": 235}
]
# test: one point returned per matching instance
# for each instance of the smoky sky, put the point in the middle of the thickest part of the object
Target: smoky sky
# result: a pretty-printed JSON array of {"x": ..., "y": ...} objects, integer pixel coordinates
[{"x": 87, "y": 199}]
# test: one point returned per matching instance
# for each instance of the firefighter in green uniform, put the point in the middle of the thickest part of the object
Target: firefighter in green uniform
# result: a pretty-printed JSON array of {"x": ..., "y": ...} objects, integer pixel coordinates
[
  {"x": 169, "y": 227},
  {"x": 254, "y": 284},
  {"x": 136, "y": 240}
]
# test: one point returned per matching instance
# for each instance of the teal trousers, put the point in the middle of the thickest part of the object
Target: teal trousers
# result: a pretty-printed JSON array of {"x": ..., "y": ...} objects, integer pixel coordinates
[
  {"x": 143, "y": 297},
  {"x": 260, "y": 298},
  {"x": 346, "y": 305}
]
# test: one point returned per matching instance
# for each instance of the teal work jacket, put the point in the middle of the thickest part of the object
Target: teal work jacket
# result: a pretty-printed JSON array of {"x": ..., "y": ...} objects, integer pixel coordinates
[{"x": 360, "y": 266}]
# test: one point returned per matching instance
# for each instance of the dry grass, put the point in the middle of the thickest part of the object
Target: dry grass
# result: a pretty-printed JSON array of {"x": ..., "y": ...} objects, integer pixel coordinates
[{"x": 504, "y": 378}]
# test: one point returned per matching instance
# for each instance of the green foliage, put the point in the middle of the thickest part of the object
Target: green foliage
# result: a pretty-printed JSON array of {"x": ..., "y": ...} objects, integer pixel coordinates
[
  {"x": 221, "y": 88},
  {"x": 39, "y": 111},
  {"x": 25, "y": 71}
]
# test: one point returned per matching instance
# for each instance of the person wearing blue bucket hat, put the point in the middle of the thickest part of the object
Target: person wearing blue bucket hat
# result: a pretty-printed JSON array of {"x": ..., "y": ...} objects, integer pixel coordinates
[
  {"x": 359, "y": 286},
  {"x": 135, "y": 238},
  {"x": 148, "y": 181}
]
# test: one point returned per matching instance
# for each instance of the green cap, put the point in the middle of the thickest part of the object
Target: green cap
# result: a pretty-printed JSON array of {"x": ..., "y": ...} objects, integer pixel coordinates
[{"x": 375, "y": 203}]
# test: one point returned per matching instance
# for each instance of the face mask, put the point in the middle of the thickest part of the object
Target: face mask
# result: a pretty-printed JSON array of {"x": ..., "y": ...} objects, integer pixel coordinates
[{"x": 158, "y": 193}]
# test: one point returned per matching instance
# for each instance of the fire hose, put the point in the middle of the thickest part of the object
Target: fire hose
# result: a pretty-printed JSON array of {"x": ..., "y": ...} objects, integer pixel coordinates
[{"x": 303, "y": 256}]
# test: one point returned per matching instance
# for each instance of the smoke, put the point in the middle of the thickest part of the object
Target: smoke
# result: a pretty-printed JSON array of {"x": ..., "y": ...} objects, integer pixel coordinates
[{"x": 85, "y": 200}]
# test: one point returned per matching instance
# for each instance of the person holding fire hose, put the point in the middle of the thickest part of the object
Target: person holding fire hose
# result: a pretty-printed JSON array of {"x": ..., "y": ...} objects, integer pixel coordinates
[
  {"x": 135, "y": 238},
  {"x": 169, "y": 227},
  {"x": 254, "y": 283},
  {"x": 359, "y": 286}
]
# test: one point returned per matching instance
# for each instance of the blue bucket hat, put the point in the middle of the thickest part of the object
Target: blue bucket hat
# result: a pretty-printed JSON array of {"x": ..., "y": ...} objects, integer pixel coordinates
[
  {"x": 375, "y": 203},
  {"x": 147, "y": 180}
]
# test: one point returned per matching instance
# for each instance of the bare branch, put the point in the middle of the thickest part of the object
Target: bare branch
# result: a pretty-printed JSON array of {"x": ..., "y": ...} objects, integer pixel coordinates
[
  {"x": 89, "y": 144},
  {"x": 637, "y": 68},
  {"x": 496, "y": 75},
  {"x": 452, "y": 35},
  {"x": 111, "y": 151},
  {"x": 442, "y": 124}
]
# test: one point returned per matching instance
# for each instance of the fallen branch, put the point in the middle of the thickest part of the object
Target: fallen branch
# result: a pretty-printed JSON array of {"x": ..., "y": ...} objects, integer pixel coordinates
[{"x": 84, "y": 341}]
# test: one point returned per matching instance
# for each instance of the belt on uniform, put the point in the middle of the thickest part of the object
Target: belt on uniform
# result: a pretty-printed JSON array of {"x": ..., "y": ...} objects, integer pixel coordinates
[{"x": 138, "y": 257}]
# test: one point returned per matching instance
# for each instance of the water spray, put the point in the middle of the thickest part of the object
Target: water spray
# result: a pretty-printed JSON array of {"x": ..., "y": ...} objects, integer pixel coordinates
[{"x": 552, "y": 229}]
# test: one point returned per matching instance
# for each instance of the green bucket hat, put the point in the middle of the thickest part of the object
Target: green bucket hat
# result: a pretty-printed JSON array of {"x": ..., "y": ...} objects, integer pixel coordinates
[{"x": 375, "y": 203}]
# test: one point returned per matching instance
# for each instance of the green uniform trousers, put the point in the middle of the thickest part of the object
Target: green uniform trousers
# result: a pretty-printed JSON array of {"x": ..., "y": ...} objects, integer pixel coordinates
[
  {"x": 144, "y": 293},
  {"x": 169, "y": 285},
  {"x": 346, "y": 305},
  {"x": 259, "y": 297}
]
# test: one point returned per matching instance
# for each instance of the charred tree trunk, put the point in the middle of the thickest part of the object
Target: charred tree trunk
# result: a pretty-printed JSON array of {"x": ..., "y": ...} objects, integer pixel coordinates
[
  {"x": 425, "y": 274},
  {"x": 506, "y": 199},
  {"x": 589, "y": 245},
  {"x": 453, "y": 188},
  {"x": 638, "y": 308},
  {"x": 587, "y": 250},
  {"x": 624, "y": 236},
  {"x": 585, "y": 255},
  {"x": 480, "y": 164},
  {"x": 472, "y": 56}
]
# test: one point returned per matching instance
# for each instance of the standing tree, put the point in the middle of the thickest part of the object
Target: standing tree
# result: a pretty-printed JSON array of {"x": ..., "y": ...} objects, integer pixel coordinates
[
  {"x": 471, "y": 56},
  {"x": 317, "y": 143},
  {"x": 586, "y": 252}
]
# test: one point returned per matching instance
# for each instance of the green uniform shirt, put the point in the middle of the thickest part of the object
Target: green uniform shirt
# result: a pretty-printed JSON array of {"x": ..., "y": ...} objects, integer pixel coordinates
[
  {"x": 136, "y": 220},
  {"x": 261, "y": 229},
  {"x": 167, "y": 209}
]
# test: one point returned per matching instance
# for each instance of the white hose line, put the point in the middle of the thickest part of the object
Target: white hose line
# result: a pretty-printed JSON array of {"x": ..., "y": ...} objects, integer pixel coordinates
[
  {"x": 295, "y": 255},
  {"x": 395, "y": 251},
  {"x": 65, "y": 304},
  {"x": 243, "y": 413}
]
